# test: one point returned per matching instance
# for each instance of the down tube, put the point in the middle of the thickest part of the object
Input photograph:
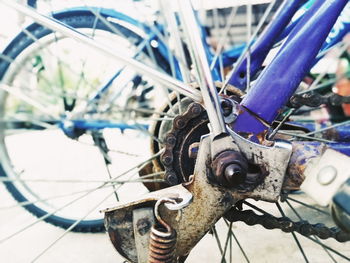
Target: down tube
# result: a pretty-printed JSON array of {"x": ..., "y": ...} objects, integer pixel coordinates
[{"x": 281, "y": 78}]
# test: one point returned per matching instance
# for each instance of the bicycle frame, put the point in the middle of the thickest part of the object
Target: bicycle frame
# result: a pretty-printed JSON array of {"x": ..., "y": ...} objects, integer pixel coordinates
[
  {"x": 255, "y": 114},
  {"x": 274, "y": 77},
  {"x": 278, "y": 30},
  {"x": 246, "y": 122}
]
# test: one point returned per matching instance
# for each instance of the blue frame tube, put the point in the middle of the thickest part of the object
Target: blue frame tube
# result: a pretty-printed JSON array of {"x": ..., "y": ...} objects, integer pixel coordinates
[
  {"x": 281, "y": 78},
  {"x": 262, "y": 46},
  {"x": 340, "y": 29}
]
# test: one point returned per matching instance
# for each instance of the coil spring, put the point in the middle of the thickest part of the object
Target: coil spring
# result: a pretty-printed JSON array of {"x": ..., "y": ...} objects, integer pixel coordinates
[{"x": 162, "y": 239}]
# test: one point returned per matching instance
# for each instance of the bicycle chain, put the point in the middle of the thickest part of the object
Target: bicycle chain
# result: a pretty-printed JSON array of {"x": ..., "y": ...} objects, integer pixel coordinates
[
  {"x": 285, "y": 224},
  {"x": 179, "y": 123},
  {"x": 312, "y": 99}
]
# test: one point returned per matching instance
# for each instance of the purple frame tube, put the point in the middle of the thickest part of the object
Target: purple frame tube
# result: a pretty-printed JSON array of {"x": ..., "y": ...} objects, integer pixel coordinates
[
  {"x": 262, "y": 46},
  {"x": 281, "y": 78}
]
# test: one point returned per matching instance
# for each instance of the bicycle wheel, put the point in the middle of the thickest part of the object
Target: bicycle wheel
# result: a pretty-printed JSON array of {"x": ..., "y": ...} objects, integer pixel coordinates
[
  {"x": 273, "y": 216},
  {"x": 47, "y": 160},
  {"x": 225, "y": 237}
]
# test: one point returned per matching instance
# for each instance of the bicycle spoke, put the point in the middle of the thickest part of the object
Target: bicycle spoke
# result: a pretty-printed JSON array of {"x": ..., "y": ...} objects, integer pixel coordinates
[
  {"x": 76, "y": 199},
  {"x": 226, "y": 242},
  {"x": 308, "y": 206},
  {"x": 251, "y": 40},
  {"x": 30, "y": 71},
  {"x": 60, "y": 62},
  {"x": 238, "y": 243},
  {"x": 17, "y": 93},
  {"x": 301, "y": 219},
  {"x": 223, "y": 38},
  {"x": 45, "y": 216},
  {"x": 305, "y": 137},
  {"x": 249, "y": 32},
  {"x": 329, "y": 248},
  {"x": 71, "y": 227},
  {"x": 285, "y": 118},
  {"x": 293, "y": 234},
  {"x": 111, "y": 183},
  {"x": 9, "y": 123},
  {"x": 334, "y": 55},
  {"x": 328, "y": 128},
  {"x": 218, "y": 243}
]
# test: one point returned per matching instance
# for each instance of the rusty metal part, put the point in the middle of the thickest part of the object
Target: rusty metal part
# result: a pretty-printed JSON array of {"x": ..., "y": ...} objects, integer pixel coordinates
[
  {"x": 303, "y": 154},
  {"x": 143, "y": 220},
  {"x": 230, "y": 108},
  {"x": 187, "y": 129},
  {"x": 162, "y": 245},
  {"x": 159, "y": 130},
  {"x": 230, "y": 168},
  {"x": 162, "y": 238},
  {"x": 119, "y": 220},
  {"x": 286, "y": 225},
  {"x": 208, "y": 205},
  {"x": 272, "y": 162}
]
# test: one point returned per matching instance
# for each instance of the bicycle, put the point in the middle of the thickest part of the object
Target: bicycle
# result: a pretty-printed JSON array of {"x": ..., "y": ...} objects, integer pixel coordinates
[
  {"x": 63, "y": 74},
  {"x": 183, "y": 89}
]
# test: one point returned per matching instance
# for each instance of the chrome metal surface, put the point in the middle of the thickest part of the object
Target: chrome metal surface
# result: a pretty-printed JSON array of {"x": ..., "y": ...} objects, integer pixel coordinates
[
  {"x": 200, "y": 61},
  {"x": 112, "y": 52},
  {"x": 327, "y": 175},
  {"x": 191, "y": 223},
  {"x": 323, "y": 191},
  {"x": 143, "y": 219},
  {"x": 168, "y": 9},
  {"x": 273, "y": 159}
]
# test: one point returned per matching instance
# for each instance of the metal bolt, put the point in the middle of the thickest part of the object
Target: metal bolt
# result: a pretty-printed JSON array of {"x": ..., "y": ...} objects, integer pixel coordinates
[
  {"x": 179, "y": 123},
  {"x": 167, "y": 159},
  {"x": 327, "y": 175},
  {"x": 170, "y": 139},
  {"x": 234, "y": 174},
  {"x": 196, "y": 109},
  {"x": 172, "y": 179}
]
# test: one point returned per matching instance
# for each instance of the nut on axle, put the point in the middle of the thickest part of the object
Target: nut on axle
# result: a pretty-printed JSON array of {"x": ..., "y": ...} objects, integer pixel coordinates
[{"x": 230, "y": 168}]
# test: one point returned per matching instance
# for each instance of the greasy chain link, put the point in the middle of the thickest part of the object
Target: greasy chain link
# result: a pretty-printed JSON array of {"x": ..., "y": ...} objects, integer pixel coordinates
[
  {"x": 303, "y": 227},
  {"x": 249, "y": 217},
  {"x": 312, "y": 99},
  {"x": 179, "y": 123}
]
